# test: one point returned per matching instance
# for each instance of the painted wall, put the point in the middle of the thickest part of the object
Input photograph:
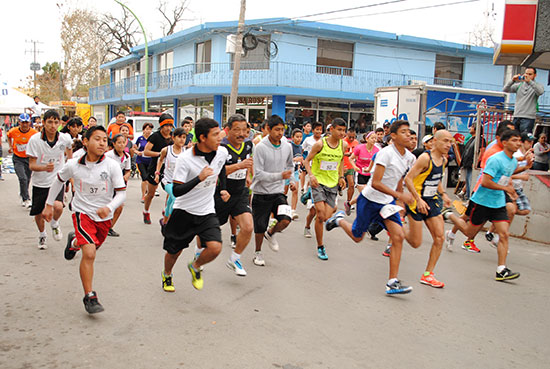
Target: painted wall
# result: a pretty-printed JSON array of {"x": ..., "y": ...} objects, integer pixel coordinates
[
  {"x": 184, "y": 54},
  {"x": 296, "y": 49},
  {"x": 479, "y": 69}
]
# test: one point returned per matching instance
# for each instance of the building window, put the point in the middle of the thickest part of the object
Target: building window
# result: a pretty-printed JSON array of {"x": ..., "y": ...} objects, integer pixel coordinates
[
  {"x": 257, "y": 58},
  {"x": 448, "y": 70},
  {"x": 203, "y": 56},
  {"x": 165, "y": 61},
  {"x": 334, "y": 57}
]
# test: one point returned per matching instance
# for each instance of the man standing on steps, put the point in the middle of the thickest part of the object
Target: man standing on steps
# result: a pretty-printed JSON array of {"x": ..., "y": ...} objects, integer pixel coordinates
[{"x": 527, "y": 95}]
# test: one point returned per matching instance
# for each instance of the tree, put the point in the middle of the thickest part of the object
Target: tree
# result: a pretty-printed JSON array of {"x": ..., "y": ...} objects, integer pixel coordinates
[
  {"x": 118, "y": 33},
  {"x": 50, "y": 83},
  {"x": 172, "y": 17}
]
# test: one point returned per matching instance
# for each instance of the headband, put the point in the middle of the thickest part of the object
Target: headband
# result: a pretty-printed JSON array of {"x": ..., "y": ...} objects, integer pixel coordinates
[{"x": 167, "y": 121}]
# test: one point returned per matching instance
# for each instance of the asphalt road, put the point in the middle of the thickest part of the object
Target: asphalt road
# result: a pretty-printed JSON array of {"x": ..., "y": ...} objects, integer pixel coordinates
[{"x": 296, "y": 312}]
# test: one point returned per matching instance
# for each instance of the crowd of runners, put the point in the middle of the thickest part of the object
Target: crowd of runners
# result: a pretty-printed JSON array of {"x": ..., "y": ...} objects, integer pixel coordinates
[{"x": 212, "y": 176}]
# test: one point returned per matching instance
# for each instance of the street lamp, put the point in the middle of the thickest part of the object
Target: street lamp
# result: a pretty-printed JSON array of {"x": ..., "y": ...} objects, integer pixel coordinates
[{"x": 146, "y": 54}]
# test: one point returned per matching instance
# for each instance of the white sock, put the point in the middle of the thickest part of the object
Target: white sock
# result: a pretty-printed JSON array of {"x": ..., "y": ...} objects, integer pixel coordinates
[
  {"x": 198, "y": 250},
  {"x": 500, "y": 268},
  {"x": 43, "y": 233},
  {"x": 451, "y": 235},
  {"x": 145, "y": 211},
  {"x": 234, "y": 256},
  {"x": 54, "y": 223},
  {"x": 489, "y": 232},
  {"x": 392, "y": 280}
]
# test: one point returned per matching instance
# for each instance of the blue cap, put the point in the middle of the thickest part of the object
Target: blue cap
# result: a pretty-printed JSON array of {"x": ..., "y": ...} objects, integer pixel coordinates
[{"x": 24, "y": 117}]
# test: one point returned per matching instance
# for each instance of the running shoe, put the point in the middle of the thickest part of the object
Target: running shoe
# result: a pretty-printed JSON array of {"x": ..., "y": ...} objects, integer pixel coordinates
[
  {"x": 70, "y": 249},
  {"x": 431, "y": 281},
  {"x": 307, "y": 232},
  {"x": 449, "y": 241},
  {"x": 332, "y": 222},
  {"x": 167, "y": 283},
  {"x": 469, "y": 245},
  {"x": 42, "y": 243},
  {"x": 233, "y": 241},
  {"x": 91, "y": 303},
  {"x": 494, "y": 241},
  {"x": 489, "y": 236},
  {"x": 146, "y": 218},
  {"x": 396, "y": 288},
  {"x": 372, "y": 236},
  {"x": 237, "y": 267},
  {"x": 112, "y": 233},
  {"x": 295, "y": 215},
  {"x": 271, "y": 241},
  {"x": 28, "y": 204},
  {"x": 387, "y": 251},
  {"x": 306, "y": 196},
  {"x": 506, "y": 275},
  {"x": 157, "y": 194},
  {"x": 24, "y": 203},
  {"x": 57, "y": 234},
  {"x": 347, "y": 208},
  {"x": 196, "y": 279},
  {"x": 258, "y": 259},
  {"x": 322, "y": 253},
  {"x": 446, "y": 212}
]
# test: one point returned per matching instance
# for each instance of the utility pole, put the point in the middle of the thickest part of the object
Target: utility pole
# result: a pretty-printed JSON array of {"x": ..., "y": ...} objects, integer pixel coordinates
[
  {"x": 34, "y": 65},
  {"x": 237, "y": 66}
]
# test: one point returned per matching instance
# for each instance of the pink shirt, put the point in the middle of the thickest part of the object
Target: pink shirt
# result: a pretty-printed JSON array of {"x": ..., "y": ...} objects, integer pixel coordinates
[{"x": 363, "y": 157}]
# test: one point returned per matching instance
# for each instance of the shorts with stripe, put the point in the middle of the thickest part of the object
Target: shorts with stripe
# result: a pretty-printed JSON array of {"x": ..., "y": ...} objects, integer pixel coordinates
[
  {"x": 368, "y": 212},
  {"x": 88, "y": 230},
  {"x": 480, "y": 214}
]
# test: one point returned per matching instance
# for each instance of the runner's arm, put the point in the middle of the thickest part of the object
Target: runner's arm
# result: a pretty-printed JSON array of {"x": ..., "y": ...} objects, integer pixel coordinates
[
  {"x": 56, "y": 186},
  {"x": 118, "y": 200},
  {"x": 161, "y": 159},
  {"x": 148, "y": 151}
]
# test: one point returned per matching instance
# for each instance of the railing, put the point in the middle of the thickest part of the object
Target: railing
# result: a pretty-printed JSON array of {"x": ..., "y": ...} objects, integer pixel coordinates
[{"x": 275, "y": 74}]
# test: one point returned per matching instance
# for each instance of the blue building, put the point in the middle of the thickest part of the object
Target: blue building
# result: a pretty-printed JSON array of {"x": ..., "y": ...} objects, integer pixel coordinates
[{"x": 301, "y": 70}]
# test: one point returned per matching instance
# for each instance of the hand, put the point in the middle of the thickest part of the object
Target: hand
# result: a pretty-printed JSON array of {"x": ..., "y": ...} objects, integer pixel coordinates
[
  {"x": 286, "y": 174},
  {"x": 516, "y": 77},
  {"x": 247, "y": 163},
  {"x": 103, "y": 212},
  {"x": 139, "y": 153},
  {"x": 225, "y": 195},
  {"x": 157, "y": 178},
  {"x": 313, "y": 181},
  {"x": 47, "y": 213},
  {"x": 446, "y": 200},
  {"x": 49, "y": 167},
  {"x": 10, "y": 151},
  {"x": 293, "y": 186},
  {"x": 205, "y": 173},
  {"x": 406, "y": 197},
  {"x": 248, "y": 181},
  {"x": 422, "y": 207},
  {"x": 342, "y": 182},
  {"x": 511, "y": 192}
]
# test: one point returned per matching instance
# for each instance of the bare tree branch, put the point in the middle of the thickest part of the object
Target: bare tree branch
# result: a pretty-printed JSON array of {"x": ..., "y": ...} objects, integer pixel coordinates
[{"x": 172, "y": 19}]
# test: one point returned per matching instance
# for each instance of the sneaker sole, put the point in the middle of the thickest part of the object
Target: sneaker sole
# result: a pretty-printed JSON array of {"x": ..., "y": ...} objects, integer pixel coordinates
[
  {"x": 501, "y": 279},
  {"x": 398, "y": 292},
  {"x": 230, "y": 266},
  {"x": 470, "y": 250},
  {"x": 431, "y": 285}
]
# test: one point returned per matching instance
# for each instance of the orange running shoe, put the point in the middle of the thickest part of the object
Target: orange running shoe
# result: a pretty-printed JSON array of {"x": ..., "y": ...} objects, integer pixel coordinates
[
  {"x": 469, "y": 245},
  {"x": 431, "y": 281}
]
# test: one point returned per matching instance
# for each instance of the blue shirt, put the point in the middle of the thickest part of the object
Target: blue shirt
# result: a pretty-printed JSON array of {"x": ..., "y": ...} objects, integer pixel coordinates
[
  {"x": 141, "y": 142},
  {"x": 501, "y": 167}
]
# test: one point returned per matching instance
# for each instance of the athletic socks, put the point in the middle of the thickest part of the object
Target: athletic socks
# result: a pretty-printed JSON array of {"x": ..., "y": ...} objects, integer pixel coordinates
[
  {"x": 234, "y": 256},
  {"x": 392, "y": 281},
  {"x": 54, "y": 223},
  {"x": 500, "y": 268},
  {"x": 43, "y": 234}
]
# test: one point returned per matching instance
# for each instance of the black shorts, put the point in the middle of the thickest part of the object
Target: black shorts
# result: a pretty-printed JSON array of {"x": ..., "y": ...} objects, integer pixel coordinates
[
  {"x": 362, "y": 179},
  {"x": 479, "y": 214},
  {"x": 237, "y": 205},
  {"x": 182, "y": 227},
  {"x": 263, "y": 206},
  {"x": 435, "y": 210},
  {"x": 39, "y": 197},
  {"x": 143, "y": 171}
]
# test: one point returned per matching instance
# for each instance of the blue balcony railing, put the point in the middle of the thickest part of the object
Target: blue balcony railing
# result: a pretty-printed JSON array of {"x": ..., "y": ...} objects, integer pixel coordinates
[{"x": 271, "y": 74}]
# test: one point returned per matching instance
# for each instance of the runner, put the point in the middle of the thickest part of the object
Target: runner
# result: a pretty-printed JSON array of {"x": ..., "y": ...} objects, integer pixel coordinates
[
  {"x": 238, "y": 167},
  {"x": 306, "y": 133},
  {"x": 349, "y": 172},
  {"x": 306, "y": 146},
  {"x": 298, "y": 158},
  {"x": 424, "y": 182},
  {"x": 376, "y": 203},
  {"x": 194, "y": 184},
  {"x": 100, "y": 190},
  {"x": 118, "y": 143},
  {"x": 156, "y": 142},
  {"x": 488, "y": 203},
  {"x": 18, "y": 137},
  {"x": 46, "y": 152},
  {"x": 272, "y": 165},
  {"x": 168, "y": 158},
  {"x": 143, "y": 161},
  {"x": 325, "y": 174}
]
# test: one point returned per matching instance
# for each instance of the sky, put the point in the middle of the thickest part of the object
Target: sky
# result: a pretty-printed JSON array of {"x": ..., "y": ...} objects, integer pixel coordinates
[{"x": 24, "y": 21}]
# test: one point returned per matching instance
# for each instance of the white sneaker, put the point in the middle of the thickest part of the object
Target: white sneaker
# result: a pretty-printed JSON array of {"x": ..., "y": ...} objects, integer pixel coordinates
[
  {"x": 494, "y": 241},
  {"x": 295, "y": 215},
  {"x": 258, "y": 259},
  {"x": 449, "y": 241},
  {"x": 24, "y": 203},
  {"x": 307, "y": 233},
  {"x": 272, "y": 242},
  {"x": 157, "y": 194},
  {"x": 42, "y": 243},
  {"x": 28, "y": 204},
  {"x": 57, "y": 234},
  {"x": 237, "y": 267}
]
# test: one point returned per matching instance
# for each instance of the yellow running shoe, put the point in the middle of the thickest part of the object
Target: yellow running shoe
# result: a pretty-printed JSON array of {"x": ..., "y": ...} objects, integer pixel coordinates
[
  {"x": 167, "y": 283},
  {"x": 196, "y": 279}
]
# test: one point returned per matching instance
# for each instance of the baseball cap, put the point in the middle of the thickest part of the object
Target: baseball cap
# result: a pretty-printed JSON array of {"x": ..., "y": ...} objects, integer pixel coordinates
[
  {"x": 427, "y": 138},
  {"x": 387, "y": 124},
  {"x": 24, "y": 117},
  {"x": 526, "y": 136}
]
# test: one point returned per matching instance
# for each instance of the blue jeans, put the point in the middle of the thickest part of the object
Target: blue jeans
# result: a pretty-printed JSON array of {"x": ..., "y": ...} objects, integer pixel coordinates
[
  {"x": 468, "y": 180},
  {"x": 21, "y": 166},
  {"x": 524, "y": 124}
]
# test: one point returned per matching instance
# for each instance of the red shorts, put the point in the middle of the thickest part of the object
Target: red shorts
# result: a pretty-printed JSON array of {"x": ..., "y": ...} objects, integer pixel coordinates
[{"x": 88, "y": 230}]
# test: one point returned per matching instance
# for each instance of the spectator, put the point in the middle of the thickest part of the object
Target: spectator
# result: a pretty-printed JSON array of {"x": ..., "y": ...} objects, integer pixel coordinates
[
  {"x": 527, "y": 94},
  {"x": 114, "y": 128},
  {"x": 541, "y": 150}
]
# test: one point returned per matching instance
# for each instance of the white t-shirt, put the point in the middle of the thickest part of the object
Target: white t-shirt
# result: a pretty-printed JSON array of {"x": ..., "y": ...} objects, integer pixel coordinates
[
  {"x": 396, "y": 165},
  {"x": 200, "y": 200},
  {"x": 36, "y": 110},
  {"x": 122, "y": 161},
  {"x": 169, "y": 164},
  {"x": 94, "y": 183},
  {"x": 79, "y": 153},
  {"x": 518, "y": 183},
  {"x": 308, "y": 143},
  {"x": 38, "y": 148}
]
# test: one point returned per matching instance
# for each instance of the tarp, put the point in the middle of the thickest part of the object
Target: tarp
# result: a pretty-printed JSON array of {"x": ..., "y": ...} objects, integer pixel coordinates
[{"x": 15, "y": 102}]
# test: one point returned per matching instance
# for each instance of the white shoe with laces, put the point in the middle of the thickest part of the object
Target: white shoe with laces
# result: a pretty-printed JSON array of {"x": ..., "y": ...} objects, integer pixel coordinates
[
  {"x": 237, "y": 267},
  {"x": 56, "y": 233},
  {"x": 258, "y": 259},
  {"x": 449, "y": 241},
  {"x": 271, "y": 241},
  {"x": 42, "y": 243}
]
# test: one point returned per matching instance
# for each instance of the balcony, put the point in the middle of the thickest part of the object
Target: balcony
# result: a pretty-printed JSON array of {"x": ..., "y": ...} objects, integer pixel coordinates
[{"x": 275, "y": 74}]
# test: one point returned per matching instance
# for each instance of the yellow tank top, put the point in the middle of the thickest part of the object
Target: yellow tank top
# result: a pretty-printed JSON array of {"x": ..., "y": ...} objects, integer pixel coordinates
[{"x": 326, "y": 164}]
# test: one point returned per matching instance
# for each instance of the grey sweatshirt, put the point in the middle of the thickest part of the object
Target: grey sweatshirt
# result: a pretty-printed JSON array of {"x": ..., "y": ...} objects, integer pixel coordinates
[
  {"x": 526, "y": 97},
  {"x": 269, "y": 164}
]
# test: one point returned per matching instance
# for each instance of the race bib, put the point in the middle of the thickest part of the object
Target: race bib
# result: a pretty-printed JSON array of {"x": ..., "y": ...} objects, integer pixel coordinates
[
  {"x": 93, "y": 189},
  {"x": 329, "y": 165},
  {"x": 365, "y": 171},
  {"x": 21, "y": 147},
  {"x": 284, "y": 210},
  {"x": 388, "y": 210},
  {"x": 238, "y": 174},
  {"x": 208, "y": 182},
  {"x": 429, "y": 191},
  {"x": 46, "y": 159},
  {"x": 504, "y": 181}
]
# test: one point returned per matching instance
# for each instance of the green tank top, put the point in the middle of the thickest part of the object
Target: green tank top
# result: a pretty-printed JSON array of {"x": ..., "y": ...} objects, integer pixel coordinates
[{"x": 326, "y": 164}]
